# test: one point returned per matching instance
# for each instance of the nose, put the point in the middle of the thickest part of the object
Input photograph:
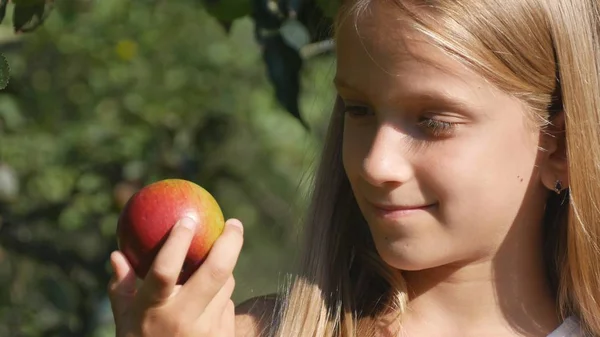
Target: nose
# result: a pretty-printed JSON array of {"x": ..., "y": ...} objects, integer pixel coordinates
[{"x": 387, "y": 161}]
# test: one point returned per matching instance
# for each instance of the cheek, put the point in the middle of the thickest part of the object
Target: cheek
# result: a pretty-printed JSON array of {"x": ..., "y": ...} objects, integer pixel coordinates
[
  {"x": 485, "y": 176},
  {"x": 354, "y": 150}
]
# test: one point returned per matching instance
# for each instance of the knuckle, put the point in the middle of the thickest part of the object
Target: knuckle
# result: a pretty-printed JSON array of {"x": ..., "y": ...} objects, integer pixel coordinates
[
  {"x": 206, "y": 327},
  {"x": 179, "y": 328},
  {"x": 231, "y": 306},
  {"x": 203, "y": 331},
  {"x": 219, "y": 272},
  {"x": 148, "y": 325},
  {"x": 229, "y": 286},
  {"x": 160, "y": 276},
  {"x": 169, "y": 324},
  {"x": 112, "y": 289}
]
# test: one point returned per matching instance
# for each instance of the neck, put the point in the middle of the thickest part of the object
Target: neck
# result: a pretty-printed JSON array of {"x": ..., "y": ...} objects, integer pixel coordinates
[{"x": 508, "y": 293}]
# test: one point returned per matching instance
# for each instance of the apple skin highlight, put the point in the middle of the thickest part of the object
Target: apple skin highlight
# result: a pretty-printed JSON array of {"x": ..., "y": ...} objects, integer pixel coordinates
[{"x": 149, "y": 215}]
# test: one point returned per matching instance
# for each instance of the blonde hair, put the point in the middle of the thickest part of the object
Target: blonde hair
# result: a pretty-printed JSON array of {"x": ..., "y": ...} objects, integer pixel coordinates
[{"x": 546, "y": 53}]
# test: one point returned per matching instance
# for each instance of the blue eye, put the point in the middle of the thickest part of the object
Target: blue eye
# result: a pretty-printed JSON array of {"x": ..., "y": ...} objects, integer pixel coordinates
[{"x": 435, "y": 127}]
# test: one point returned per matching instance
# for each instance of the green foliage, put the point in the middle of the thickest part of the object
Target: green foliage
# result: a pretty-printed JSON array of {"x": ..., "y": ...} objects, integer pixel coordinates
[
  {"x": 329, "y": 7},
  {"x": 284, "y": 29},
  {"x": 27, "y": 15},
  {"x": 122, "y": 94},
  {"x": 228, "y": 11}
]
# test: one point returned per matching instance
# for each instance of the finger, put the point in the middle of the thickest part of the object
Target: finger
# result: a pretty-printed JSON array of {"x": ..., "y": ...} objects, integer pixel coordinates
[
  {"x": 222, "y": 325},
  {"x": 206, "y": 282},
  {"x": 228, "y": 320},
  {"x": 214, "y": 309},
  {"x": 121, "y": 288},
  {"x": 161, "y": 279}
]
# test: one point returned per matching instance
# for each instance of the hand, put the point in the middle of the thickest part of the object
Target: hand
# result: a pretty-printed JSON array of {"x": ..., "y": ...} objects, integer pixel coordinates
[{"x": 201, "y": 307}]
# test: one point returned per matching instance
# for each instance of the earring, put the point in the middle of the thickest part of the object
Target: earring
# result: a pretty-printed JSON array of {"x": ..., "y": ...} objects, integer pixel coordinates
[{"x": 558, "y": 187}]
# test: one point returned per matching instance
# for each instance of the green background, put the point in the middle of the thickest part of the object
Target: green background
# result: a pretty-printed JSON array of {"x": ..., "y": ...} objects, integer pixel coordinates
[{"x": 122, "y": 94}]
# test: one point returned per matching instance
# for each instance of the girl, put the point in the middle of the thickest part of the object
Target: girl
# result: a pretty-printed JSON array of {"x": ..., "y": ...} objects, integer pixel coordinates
[{"x": 457, "y": 194}]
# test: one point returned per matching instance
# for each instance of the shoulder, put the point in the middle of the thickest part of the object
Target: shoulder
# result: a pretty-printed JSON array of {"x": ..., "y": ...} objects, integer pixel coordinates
[
  {"x": 570, "y": 327},
  {"x": 254, "y": 316}
]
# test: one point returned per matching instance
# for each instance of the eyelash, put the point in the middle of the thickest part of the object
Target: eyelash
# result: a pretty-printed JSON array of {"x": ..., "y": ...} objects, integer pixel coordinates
[
  {"x": 437, "y": 128},
  {"x": 431, "y": 126}
]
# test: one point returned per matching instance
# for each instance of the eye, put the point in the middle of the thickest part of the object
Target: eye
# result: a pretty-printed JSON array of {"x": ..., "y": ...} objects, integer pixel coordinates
[
  {"x": 436, "y": 127},
  {"x": 356, "y": 111}
]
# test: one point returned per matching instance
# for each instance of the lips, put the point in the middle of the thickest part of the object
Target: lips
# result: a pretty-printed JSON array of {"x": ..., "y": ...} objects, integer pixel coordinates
[
  {"x": 395, "y": 211},
  {"x": 399, "y": 207}
]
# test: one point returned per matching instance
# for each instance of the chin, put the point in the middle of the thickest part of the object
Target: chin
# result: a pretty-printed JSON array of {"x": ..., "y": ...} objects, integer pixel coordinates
[{"x": 404, "y": 255}]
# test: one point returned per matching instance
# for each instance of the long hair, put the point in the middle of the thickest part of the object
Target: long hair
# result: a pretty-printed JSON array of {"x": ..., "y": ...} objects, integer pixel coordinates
[{"x": 544, "y": 52}]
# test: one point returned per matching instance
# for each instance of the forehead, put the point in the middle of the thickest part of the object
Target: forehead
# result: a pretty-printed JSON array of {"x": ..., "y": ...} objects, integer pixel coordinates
[
  {"x": 379, "y": 44},
  {"x": 378, "y": 23}
]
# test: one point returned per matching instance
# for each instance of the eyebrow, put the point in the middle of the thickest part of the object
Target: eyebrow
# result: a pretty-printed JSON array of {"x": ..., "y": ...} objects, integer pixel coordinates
[
  {"x": 442, "y": 98},
  {"x": 339, "y": 82}
]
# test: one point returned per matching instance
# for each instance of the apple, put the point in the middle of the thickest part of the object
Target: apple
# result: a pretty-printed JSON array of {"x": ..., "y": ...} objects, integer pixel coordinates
[{"x": 149, "y": 215}]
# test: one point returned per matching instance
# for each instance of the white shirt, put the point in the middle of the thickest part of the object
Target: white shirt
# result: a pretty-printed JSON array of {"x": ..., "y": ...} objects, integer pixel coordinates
[{"x": 569, "y": 328}]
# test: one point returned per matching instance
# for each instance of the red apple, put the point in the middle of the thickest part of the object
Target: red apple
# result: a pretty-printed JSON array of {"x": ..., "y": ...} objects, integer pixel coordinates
[{"x": 149, "y": 215}]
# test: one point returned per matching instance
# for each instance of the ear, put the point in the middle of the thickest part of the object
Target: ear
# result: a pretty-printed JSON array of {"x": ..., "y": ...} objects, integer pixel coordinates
[{"x": 555, "y": 166}]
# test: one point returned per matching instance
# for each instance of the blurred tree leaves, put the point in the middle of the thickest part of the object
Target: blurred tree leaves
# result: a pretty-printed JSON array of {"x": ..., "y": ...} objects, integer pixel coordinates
[
  {"x": 281, "y": 52},
  {"x": 3, "y": 4},
  {"x": 27, "y": 15},
  {"x": 281, "y": 55},
  {"x": 226, "y": 12},
  {"x": 108, "y": 97}
]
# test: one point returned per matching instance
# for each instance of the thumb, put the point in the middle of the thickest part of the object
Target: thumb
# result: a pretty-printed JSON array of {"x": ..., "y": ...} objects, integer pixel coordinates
[{"x": 121, "y": 288}]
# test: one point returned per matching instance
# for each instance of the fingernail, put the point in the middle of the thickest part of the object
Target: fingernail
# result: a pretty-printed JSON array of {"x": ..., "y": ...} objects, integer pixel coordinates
[
  {"x": 236, "y": 224},
  {"x": 188, "y": 223}
]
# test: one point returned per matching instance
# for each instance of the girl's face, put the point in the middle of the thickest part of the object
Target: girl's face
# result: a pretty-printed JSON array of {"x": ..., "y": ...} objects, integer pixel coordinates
[{"x": 442, "y": 163}]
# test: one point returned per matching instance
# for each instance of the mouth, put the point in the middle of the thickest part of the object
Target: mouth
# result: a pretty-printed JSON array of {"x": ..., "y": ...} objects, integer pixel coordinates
[{"x": 396, "y": 211}]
